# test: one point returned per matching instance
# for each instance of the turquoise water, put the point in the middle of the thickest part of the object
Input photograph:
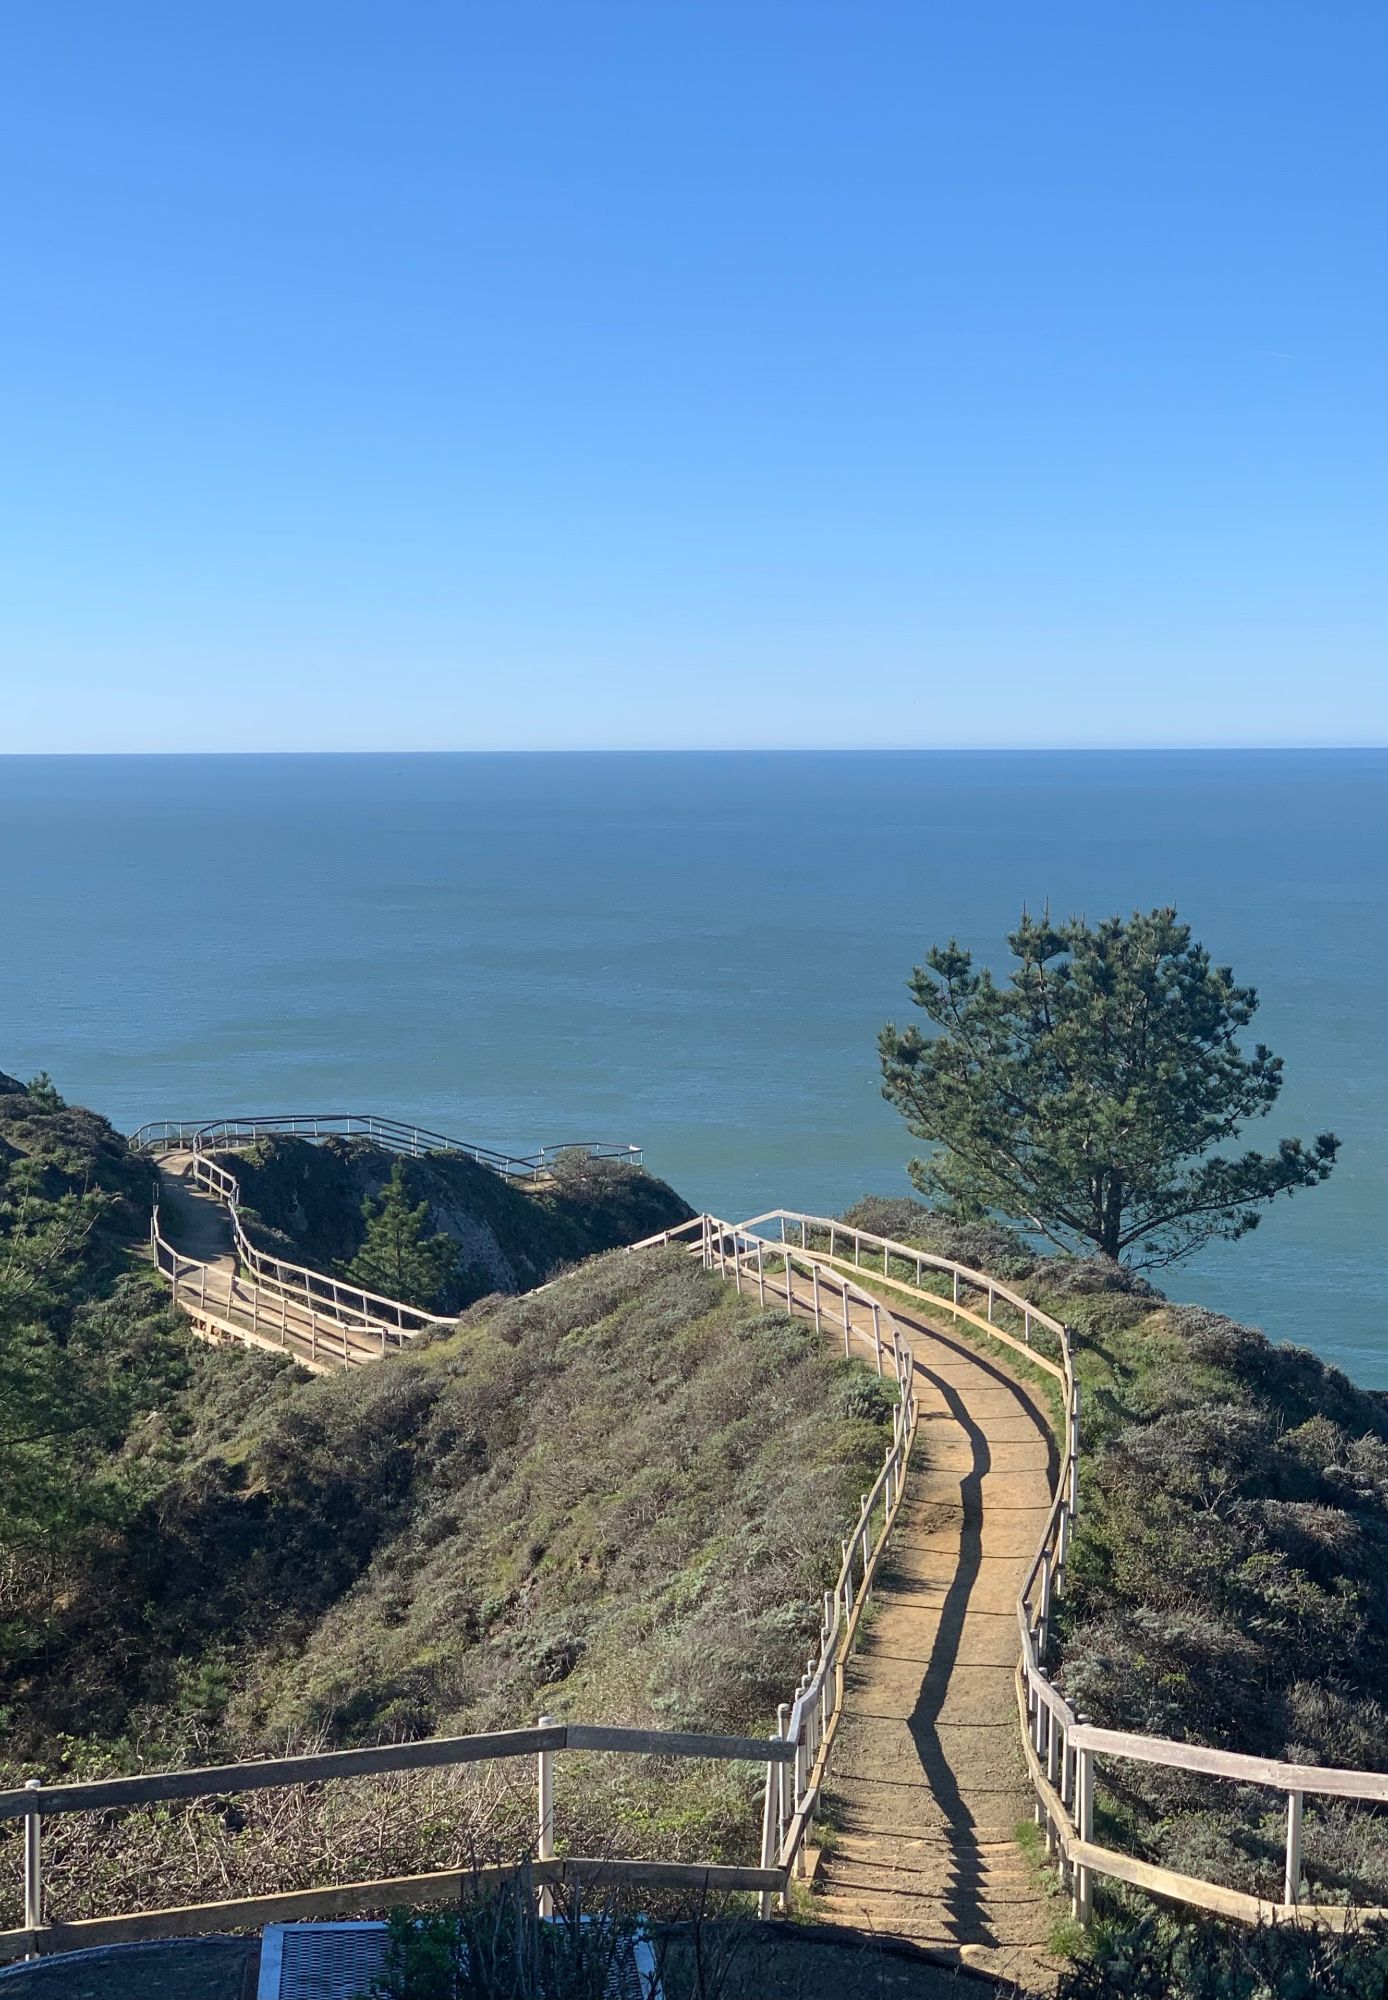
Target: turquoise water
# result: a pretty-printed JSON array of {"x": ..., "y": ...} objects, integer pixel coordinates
[{"x": 695, "y": 951}]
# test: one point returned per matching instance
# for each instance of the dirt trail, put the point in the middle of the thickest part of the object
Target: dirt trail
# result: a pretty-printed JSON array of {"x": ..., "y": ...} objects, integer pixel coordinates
[
  {"x": 196, "y": 1224},
  {"x": 928, "y": 1784}
]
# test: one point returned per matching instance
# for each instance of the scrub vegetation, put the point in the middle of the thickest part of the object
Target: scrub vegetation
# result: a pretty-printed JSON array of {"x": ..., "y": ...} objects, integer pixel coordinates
[
  {"x": 617, "y": 1499},
  {"x": 343, "y": 1205}
]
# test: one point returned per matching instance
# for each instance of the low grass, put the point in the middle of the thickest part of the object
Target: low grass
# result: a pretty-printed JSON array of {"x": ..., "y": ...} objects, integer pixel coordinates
[
  {"x": 619, "y": 1499},
  {"x": 304, "y": 1201}
]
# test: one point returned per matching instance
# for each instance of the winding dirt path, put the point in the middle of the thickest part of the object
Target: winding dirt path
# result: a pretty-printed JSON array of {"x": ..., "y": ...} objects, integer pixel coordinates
[{"x": 928, "y": 1784}]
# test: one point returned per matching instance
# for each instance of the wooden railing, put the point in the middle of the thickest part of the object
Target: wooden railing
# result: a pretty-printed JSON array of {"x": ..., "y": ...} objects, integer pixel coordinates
[
  {"x": 350, "y": 1304},
  {"x": 821, "y": 1267},
  {"x": 36, "y": 1802},
  {"x": 228, "y": 1304},
  {"x": 1060, "y": 1746},
  {"x": 325, "y": 1320}
]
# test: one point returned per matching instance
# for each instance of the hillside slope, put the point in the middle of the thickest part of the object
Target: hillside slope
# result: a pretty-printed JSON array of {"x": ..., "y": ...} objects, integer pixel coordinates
[
  {"x": 618, "y": 1499},
  {"x": 305, "y": 1201},
  {"x": 622, "y": 1495}
]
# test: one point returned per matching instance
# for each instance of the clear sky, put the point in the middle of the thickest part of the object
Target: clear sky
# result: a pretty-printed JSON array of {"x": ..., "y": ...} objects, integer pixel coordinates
[{"x": 450, "y": 375}]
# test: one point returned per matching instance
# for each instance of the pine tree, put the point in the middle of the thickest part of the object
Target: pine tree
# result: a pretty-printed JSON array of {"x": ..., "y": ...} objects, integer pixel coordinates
[
  {"x": 1088, "y": 1096},
  {"x": 398, "y": 1257}
]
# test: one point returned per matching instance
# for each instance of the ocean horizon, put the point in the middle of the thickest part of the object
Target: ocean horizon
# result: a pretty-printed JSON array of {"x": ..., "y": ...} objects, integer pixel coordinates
[{"x": 689, "y": 949}]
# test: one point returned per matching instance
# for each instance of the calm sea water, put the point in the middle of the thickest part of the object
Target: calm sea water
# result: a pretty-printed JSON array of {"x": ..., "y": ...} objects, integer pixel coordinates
[{"x": 691, "y": 950}]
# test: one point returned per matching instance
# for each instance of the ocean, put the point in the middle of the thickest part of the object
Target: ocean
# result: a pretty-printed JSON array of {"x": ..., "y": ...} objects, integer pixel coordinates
[{"x": 694, "y": 951}]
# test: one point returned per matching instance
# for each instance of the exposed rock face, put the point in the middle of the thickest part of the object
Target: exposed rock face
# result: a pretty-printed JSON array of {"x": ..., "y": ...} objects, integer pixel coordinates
[{"x": 305, "y": 1201}]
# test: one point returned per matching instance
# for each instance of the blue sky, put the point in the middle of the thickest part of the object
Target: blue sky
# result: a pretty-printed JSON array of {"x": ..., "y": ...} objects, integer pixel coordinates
[{"x": 462, "y": 376}]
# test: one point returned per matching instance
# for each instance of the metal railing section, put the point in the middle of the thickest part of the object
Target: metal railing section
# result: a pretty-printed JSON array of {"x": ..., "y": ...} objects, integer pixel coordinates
[{"x": 394, "y": 1134}]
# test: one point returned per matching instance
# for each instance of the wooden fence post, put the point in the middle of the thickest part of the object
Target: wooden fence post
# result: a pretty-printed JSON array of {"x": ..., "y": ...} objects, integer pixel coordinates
[
  {"x": 783, "y": 1782},
  {"x": 1291, "y": 1883},
  {"x": 544, "y": 1846},
  {"x": 1043, "y": 1620},
  {"x": 33, "y": 1863},
  {"x": 768, "y": 1833},
  {"x": 1083, "y": 1900},
  {"x": 1051, "y": 1776}
]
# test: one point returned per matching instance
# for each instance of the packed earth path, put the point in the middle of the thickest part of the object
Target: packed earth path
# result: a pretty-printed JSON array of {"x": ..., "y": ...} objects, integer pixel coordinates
[
  {"x": 195, "y": 1222},
  {"x": 928, "y": 1785}
]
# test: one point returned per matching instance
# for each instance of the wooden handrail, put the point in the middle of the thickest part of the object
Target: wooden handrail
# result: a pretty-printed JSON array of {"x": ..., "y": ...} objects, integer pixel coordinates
[
  {"x": 1047, "y": 1718},
  {"x": 345, "y": 1899},
  {"x": 1060, "y": 1747},
  {"x": 348, "y": 1309},
  {"x": 261, "y": 1774}
]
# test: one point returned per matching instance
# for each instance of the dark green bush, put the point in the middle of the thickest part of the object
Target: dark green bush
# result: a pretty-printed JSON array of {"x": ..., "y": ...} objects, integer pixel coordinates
[
  {"x": 495, "y": 1947},
  {"x": 1154, "y": 1960}
]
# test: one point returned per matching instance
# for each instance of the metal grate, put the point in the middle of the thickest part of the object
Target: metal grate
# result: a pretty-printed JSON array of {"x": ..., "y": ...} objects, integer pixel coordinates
[
  {"x": 319, "y": 1961},
  {"x": 339, "y": 1961}
]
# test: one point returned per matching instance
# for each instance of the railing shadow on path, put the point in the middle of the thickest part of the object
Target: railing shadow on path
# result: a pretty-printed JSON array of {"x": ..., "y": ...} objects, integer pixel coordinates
[{"x": 964, "y": 1901}]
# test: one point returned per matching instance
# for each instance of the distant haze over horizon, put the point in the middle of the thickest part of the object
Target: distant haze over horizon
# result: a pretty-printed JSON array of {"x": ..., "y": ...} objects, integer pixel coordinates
[
  {"x": 549, "y": 377},
  {"x": 751, "y": 749}
]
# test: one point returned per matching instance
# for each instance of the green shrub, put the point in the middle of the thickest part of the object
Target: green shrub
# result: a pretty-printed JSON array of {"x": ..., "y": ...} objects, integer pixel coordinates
[
  {"x": 1151, "y": 1959},
  {"x": 496, "y": 1947}
]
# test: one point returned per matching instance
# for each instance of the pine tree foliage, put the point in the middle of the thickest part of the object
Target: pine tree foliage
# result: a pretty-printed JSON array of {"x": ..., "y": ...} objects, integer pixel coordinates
[
  {"x": 1090, "y": 1096},
  {"x": 398, "y": 1256}
]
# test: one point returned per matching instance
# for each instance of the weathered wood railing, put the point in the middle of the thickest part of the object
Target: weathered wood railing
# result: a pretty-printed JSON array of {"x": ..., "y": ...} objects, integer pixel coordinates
[
  {"x": 36, "y": 1802},
  {"x": 1061, "y": 1747},
  {"x": 351, "y": 1305},
  {"x": 226, "y": 1304},
  {"x": 831, "y": 1300},
  {"x": 291, "y": 1304},
  {"x": 810, "y": 1261}
]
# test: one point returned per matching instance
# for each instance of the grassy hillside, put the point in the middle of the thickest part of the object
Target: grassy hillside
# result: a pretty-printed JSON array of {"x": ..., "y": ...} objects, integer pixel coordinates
[
  {"x": 305, "y": 1201},
  {"x": 621, "y": 1495},
  {"x": 88, "y": 1347},
  {"x": 1229, "y": 1580},
  {"x": 618, "y": 1499}
]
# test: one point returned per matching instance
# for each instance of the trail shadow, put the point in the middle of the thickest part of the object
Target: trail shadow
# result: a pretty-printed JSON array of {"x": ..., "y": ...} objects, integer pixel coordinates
[{"x": 963, "y": 1895}]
